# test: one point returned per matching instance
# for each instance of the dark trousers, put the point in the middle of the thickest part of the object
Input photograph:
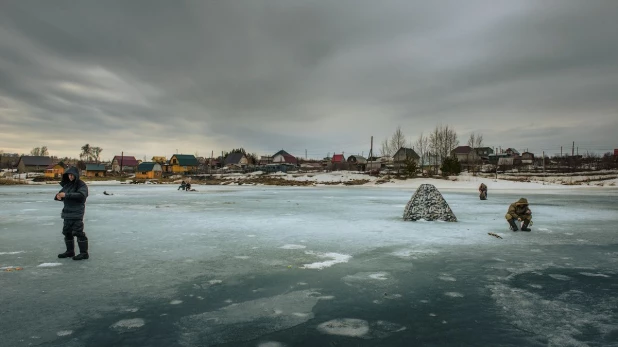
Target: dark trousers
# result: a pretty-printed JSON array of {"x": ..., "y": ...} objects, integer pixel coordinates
[{"x": 74, "y": 228}]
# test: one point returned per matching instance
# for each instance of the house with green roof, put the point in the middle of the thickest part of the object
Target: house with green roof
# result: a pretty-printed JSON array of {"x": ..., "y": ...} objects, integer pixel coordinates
[
  {"x": 95, "y": 170},
  {"x": 183, "y": 164},
  {"x": 148, "y": 170}
]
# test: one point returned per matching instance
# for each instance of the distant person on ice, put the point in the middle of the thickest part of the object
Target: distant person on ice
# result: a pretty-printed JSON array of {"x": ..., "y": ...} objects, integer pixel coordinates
[
  {"x": 483, "y": 191},
  {"x": 519, "y": 211},
  {"x": 73, "y": 194},
  {"x": 183, "y": 186}
]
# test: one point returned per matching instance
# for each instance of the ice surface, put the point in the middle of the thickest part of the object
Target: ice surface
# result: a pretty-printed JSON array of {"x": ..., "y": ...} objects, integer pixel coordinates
[{"x": 258, "y": 265}]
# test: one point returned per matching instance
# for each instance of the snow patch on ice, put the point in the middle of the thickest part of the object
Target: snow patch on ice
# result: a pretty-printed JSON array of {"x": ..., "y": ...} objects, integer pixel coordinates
[
  {"x": 454, "y": 294},
  {"x": 379, "y": 276},
  {"x": 125, "y": 325},
  {"x": 175, "y": 302},
  {"x": 559, "y": 277},
  {"x": 241, "y": 257},
  {"x": 271, "y": 344},
  {"x": 447, "y": 278},
  {"x": 590, "y": 274},
  {"x": 16, "y": 252},
  {"x": 293, "y": 246},
  {"x": 335, "y": 258},
  {"x": 345, "y": 327},
  {"x": 64, "y": 332},
  {"x": 49, "y": 264}
]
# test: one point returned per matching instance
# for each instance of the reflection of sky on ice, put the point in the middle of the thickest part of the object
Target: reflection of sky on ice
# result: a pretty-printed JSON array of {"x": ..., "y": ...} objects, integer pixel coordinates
[{"x": 276, "y": 266}]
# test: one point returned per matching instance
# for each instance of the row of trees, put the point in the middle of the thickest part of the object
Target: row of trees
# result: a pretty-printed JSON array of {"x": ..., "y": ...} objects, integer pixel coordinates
[{"x": 433, "y": 148}]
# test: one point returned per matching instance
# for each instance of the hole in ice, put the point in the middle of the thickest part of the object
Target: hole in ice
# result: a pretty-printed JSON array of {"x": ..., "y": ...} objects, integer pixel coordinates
[{"x": 345, "y": 327}]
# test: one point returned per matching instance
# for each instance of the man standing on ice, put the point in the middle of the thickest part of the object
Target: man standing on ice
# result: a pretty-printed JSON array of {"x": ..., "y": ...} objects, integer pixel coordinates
[
  {"x": 519, "y": 210},
  {"x": 73, "y": 194}
]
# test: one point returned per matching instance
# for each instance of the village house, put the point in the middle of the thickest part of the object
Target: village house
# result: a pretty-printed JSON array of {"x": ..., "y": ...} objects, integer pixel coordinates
[
  {"x": 124, "y": 163},
  {"x": 465, "y": 154},
  {"x": 402, "y": 156},
  {"x": 236, "y": 159},
  {"x": 338, "y": 162},
  {"x": 283, "y": 157},
  {"x": 183, "y": 164},
  {"x": 95, "y": 170},
  {"x": 149, "y": 170},
  {"x": 33, "y": 163},
  {"x": 55, "y": 170}
]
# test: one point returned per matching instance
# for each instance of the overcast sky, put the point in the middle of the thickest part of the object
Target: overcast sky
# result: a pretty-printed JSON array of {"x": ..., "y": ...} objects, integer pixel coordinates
[{"x": 155, "y": 77}]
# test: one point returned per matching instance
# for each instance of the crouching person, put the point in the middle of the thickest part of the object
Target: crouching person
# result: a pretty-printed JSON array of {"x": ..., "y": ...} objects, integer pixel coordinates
[
  {"x": 519, "y": 211},
  {"x": 73, "y": 194}
]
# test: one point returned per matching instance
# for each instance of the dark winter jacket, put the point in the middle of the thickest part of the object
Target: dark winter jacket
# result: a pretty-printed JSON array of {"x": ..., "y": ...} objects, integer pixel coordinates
[
  {"x": 76, "y": 193},
  {"x": 519, "y": 209}
]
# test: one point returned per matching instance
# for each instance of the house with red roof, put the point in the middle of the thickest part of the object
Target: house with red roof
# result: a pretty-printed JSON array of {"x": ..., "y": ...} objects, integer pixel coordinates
[
  {"x": 283, "y": 157},
  {"x": 337, "y": 158},
  {"x": 122, "y": 163}
]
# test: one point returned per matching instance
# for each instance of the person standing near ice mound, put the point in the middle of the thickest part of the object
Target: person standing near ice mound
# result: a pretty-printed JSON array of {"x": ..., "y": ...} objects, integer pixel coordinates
[
  {"x": 483, "y": 191},
  {"x": 73, "y": 194},
  {"x": 519, "y": 210}
]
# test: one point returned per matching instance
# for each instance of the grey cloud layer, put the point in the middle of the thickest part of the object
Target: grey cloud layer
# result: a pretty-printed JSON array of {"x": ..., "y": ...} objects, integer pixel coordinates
[{"x": 319, "y": 75}]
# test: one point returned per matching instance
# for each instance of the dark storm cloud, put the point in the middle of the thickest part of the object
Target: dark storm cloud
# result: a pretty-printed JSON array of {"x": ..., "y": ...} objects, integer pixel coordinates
[{"x": 154, "y": 76}]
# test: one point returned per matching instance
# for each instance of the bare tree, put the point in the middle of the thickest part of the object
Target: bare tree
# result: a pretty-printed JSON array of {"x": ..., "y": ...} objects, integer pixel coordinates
[
  {"x": 442, "y": 140},
  {"x": 398, "y": 140},
  {"x": 386, "y": 150},
  {"x": 96, "y": 153},
  {"x": 422, "y": 147},
  {"x": 36, "y": 151}
]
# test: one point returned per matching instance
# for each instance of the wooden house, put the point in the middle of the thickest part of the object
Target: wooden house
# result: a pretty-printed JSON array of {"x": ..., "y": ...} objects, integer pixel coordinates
[
  {"x": 283, "y": 157},
  {"x": 55, "y": 170},
  {"x": 183, "y": 164},
  {"x": 124, "y": 163},
  {"x": 149, "y": 170},
  {"x": 95, "y": 170},
  {"x": 236, "y": 159},
  {"x": 465, "y": 154},
  {"x": 402, "y": 156},
  {"x": 29, "y": 163}
]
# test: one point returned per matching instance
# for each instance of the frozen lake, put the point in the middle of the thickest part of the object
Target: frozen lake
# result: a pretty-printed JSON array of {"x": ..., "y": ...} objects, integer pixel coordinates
[{"x": 331, "y": 266}]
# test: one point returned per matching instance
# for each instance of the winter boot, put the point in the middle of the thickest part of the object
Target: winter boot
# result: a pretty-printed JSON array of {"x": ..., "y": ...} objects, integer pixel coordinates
[
  {"x": 513, "y": 225},
  {"x": 83, "y": 250},
  {"x": 70, "y": 252},
  {"x": 524, "y": 227}
]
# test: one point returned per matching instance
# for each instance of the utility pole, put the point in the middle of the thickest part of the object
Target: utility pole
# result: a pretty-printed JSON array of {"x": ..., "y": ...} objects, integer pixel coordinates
[
  {"x": 543, "y": 167},
  {"x": 121, "y": 160},
  {"x": 305, "y": 154},
  {"x": 573, "y": 149}
]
